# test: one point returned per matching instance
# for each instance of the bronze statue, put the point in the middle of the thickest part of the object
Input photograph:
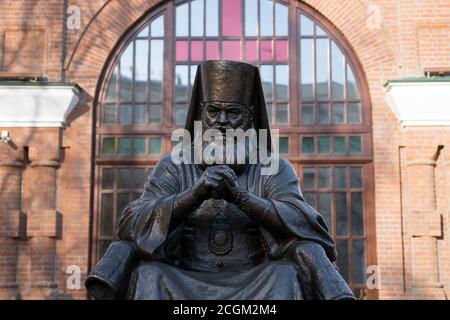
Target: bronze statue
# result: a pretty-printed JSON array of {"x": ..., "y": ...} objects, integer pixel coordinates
[{"x": 225, "y": 231}]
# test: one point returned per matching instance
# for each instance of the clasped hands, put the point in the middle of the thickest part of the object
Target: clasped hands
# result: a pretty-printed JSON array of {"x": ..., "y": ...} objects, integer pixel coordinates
[{"x": 217, "y": 182}]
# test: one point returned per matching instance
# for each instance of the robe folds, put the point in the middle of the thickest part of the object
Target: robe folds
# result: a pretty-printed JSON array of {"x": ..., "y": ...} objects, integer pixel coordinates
[{"x": 176, "y": 260}]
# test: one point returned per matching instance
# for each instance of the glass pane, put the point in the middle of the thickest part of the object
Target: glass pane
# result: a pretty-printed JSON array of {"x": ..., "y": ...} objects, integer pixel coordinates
[
  {"x": 181, "y": 50},
  {"x": 197, "y": 18},
  {"x": 352, "y": 86},
  {"x": 122, "y": 200},
  {"x": 338, "y": 113},
  {"x": 182, "y": 20},
  {"x": 157, "y": 27},
  {"x": 212, "y": 50},
  {"x": 144, "y": 32},
  {"x": 309, "y": 178},
  {"x": 140, "y": 114},
  {"x": 357, "y": 214},
  {"x": 281, "y": 50},
  {"x": 180, "y": 115},
  {"x": 324, "y": 145},
  {"x": 266, "y": 24},
  {"x": 341, "y": 214},
  {"x": 125, "y": 114},
  {"x": 251, "y": 17},
  {"x": 125, "y": 146},
  {"x": 111, "y": 92},
  {"x": 231, "y": 18},
  {"x": 266, "y": 50},
  {"x": 231, "y": 50},
  {"x": 339, "y": 145},
  {"x": 155, "y": 146},
  {"x": 109, "y": 114},
  {"x": 284, "y": 145},
  {"x": 141, "y": 70},
  {"x": 123, "y": 178},
  {"x": 325, "y": 209},
  {"x": 139, "y": 178},
  {"x": 251, "y": 50},
  {"x": 325, "y": 178},
  {"x": 340, "y": 180},
  {"x": 108, "y": 146},
  {"x": 106, "y": 220},
  {"x": 308, "y": 145},
  {"x": 139, "y": 146},
  {"x": 282, "y": 82},
  {"x": 155, "y": 114},
  {"x": 354, "y": 113},
  {"x": 320, "y": 32},
  {"x": 355, "y": 145},
  {"x": 308, "y": 114},
  {"x": 310, "y": 198},
  {"x": 306, "y": 26},
  {"x": 359, "y": 262},
  {"x": 282, "y": 114},
  {"x": 338, "y": 71},
  {"x": 324, "y": 113},
  {"x": 108, "y": 178},
  {"x": 196, "y": 50},
  {"x": 156, "y": 69},
  {"x": 281, "y": 20},
  {"x": 356, "y": 177},
  {"x": 212, "y": 18},
  {"x": 342, "y": 261},
  {"x": 307, "y": 69},
  {"x": 267, "y": 81},
  {"x": 322, "y": 69},
  {"x": 126, "y": 73},
  {"x": 181, "y": 83}
]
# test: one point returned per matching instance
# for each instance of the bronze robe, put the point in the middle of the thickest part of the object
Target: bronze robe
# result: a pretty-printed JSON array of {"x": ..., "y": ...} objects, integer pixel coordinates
[{"x": 178, "y": 263}]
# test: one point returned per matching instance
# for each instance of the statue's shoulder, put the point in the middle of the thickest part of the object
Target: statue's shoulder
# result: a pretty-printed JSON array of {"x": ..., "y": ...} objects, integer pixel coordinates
[
  {"x": 279, "y": 164},
  {"x": 165, "y": 164}
]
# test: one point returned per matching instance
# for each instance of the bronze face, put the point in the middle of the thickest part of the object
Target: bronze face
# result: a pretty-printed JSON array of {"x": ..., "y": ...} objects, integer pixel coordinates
[{"x": 226, "y": 115}]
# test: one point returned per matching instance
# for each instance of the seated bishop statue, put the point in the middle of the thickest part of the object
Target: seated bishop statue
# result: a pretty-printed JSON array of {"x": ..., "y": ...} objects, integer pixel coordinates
[{"x": 221, "y": 230}]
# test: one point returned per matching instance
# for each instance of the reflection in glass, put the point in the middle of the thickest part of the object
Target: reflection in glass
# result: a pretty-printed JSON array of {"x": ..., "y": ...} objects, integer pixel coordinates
[
  {"x": 320, "y": 32},
  {"x": 139, "y": 178},
  {"x": 141, "y": 70},
  {"x": 197, "y": 50},
  {"x": 105, "y": 218},
  {"x": 125, "y": 114},
  {"x": 182, "y": 20},
  {"x": 282, "y": 114},
  {"x": 284, "y": 145},
  {"x": 144, "y": 33},
  {"x": 139, "y": 146},
  {"x": 325, "y": 209},
  {"x": 341, "y": 214},
  {"x": 124, "y": 146},
  {"x": 267, "y": 81},
  {"x": 354, "y": 113},
  {"x": 111, "y": 91},
  {"x": 359, "y": 262},
  {"x": 339, "y": 145},
  {"x": 281, "y": 20},
  {"x": 212, "y": 18},
  {"x": 126, "y": 73},
  {"x": 310, "y": 198},
  {"x": 324, "y": 115},
  {"x": 108, "y": 146},
  {"x": 342, "y": 261},
  {"x": 231, "y": 50},
  {"x": 356, "y": 177},
  {"x": 155, "y": 146},
  {"x": 309, "y": 181},
  {"x": 156, "y": 69},
  {"x": 325, "y": 178},
  {"x": 357, "y": 214},
  {"x": 308, "y": 114},
  {"x": 355, "y": 145},
  {"x": 108, "y": 178},
  {"x": 340, "y": 180},
  {"x": 338, "y": 71},
  {"x": 140, "y": 114},
  {"x": 231, "y": 18},
  {"x": 156, "y": 114},
  {"x": 181, "y": 83},
  {"x": 322, "y": 69},
  {"x": 324, "y": 145},
  {"x": 282, "y": 82},
  {"x": 180, "y": 115},
  {"x": 266, "y": 50},
  {"x": 251, "y": 18},
  {"x": 109, "y": 114},
  {"x": 308, "y": 145},
  {"x": 123, "y": 178},
  {"x": 266, "y": 25},
  {"x": 197, "y": 18},
  {"x": 352, "y": 86},
  {"x": 307, "y": 69},
  {"x": 338, "y": 113}
]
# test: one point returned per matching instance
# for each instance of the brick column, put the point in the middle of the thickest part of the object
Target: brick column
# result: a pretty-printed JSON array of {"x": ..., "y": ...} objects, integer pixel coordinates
[
  {"x": 12, "y": 219},
  {"x": 424, "y": 222}
]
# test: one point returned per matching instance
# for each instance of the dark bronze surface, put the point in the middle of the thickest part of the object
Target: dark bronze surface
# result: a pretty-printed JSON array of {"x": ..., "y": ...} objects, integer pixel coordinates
[{"x": 211, "y": 232}]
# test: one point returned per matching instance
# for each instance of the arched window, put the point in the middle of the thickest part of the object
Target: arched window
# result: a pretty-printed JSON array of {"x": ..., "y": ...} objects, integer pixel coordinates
[{"x": 315, "y": 93}]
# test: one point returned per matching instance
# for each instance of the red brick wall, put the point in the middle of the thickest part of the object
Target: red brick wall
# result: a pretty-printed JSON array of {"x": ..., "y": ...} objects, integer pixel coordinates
[{"x": 412, "y": 177}]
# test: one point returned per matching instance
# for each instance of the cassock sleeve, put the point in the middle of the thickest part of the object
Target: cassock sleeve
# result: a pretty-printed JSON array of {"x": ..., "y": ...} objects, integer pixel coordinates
[
  {"x": 146, "y": 221},
  {"x": 300, "y": 220}
]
